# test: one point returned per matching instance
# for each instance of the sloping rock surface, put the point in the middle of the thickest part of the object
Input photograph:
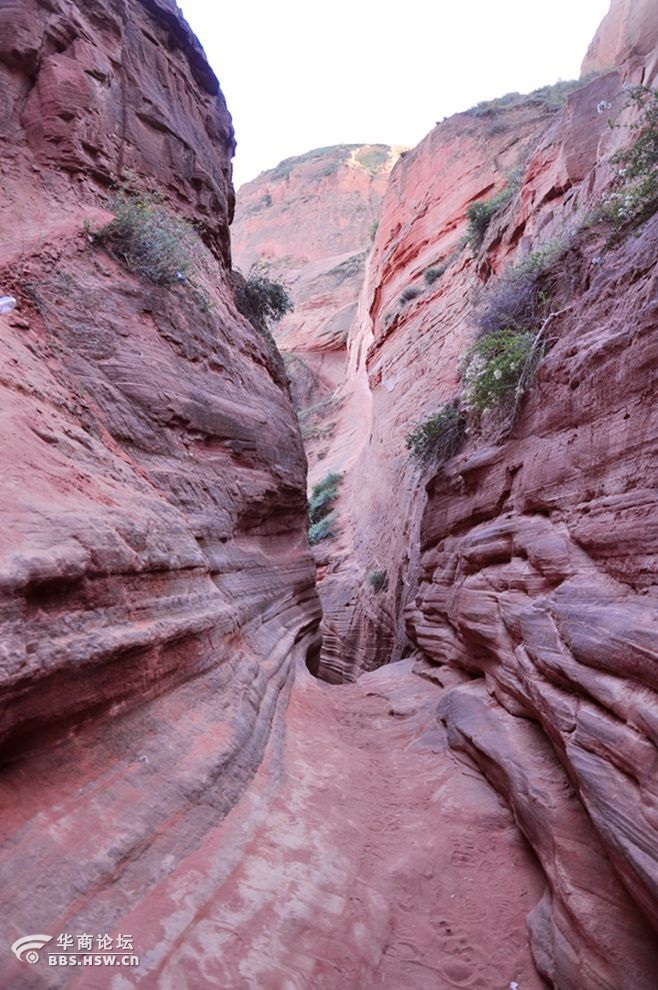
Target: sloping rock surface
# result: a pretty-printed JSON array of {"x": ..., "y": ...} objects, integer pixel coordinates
[
  {"x": 529, "y": 562},
  {"x": 157, "y": 589}
]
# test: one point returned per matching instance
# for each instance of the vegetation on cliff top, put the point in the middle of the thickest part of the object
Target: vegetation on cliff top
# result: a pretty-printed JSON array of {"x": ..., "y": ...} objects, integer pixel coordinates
[
  {"x": 552, "y": 97},
  {"x": 371, "y": 157}
]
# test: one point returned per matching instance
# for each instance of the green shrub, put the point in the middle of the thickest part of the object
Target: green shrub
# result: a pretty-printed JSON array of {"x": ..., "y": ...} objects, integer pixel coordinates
[
  {"x": 481, "y": 213},
  {"x": 374, "y": 226},
  {"x": 411, "y": 292},
  {"x": 263, "y": 300},
  {"x": 321, "y": 530},
  {"x": 320, "y": 514},
  {"x": 377, "y": 580},
  {"x": 154, "y": 243},
  {"x": 498, "y": 369},
  {"x": 438, "y": 438},
  {"x": 323, "y": 496},
  {"x": 633, "y": 197},
  {"x": 479, "y": 217},
  {"x": 431, "y": 274}
]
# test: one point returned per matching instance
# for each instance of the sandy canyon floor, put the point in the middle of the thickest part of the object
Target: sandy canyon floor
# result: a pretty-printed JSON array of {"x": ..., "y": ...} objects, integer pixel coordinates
[{"x": 365, "y": 856}]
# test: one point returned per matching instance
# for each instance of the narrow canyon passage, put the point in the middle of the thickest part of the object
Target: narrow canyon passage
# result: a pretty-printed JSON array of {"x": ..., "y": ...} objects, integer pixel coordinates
[
  {"x": 365, "y": 856},
  {"x": 381, "y": 400}
]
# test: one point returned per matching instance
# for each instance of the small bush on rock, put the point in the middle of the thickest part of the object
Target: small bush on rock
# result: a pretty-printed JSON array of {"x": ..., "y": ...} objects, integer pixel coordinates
[
  {"x": 411, "y": 292},
  {"x": 262, "y": 299},
  {"x": 517, "y": 299},
  {"x": 498, "y": 369},
  {"x": 154, "y": 243},
  {"x": 633, "y": 197},
  {"x": 482, "y": 212},
  {"x": 377, "y": 580},
  {"x": 320, "y": 514},
  {"x": 321, "y": 530},
  {"x": 431, "y": 274},
  {"x": 510, "y": 303},
  {"x": 323, "y": 496},
  {"x": 439, "y": 437}
]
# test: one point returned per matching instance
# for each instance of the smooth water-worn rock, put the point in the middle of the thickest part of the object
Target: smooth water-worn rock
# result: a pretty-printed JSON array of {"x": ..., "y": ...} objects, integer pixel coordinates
[
  {"x": 157, "y": 588},
  {"x": 538, "y": 572},
  {"x": 528, "y": 564},
  {"x": 487, "y": 802}
]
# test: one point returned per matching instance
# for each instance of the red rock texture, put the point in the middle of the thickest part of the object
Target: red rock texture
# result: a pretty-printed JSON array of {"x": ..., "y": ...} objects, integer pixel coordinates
[
  {"x": 87, "y": 90},
  {"x": 165, "y": 774},
  {"x": 309, "y": 221},
  {"x": 529, "y": 564},
  {"x": 157, "y": 585},
  {"x": 626, "y": 34},
  {"x": 385, "y": 864},
  {"x": 403, "y": 358},
  {"x": 538, "y": 575}
]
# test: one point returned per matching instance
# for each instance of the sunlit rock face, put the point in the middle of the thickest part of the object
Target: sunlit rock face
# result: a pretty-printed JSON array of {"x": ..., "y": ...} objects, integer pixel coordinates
[
  {"x": 627, "y": 34},
  {"x": 529, "y": 562},
  {"x": 157, "y": 585},
  {"x": 310, "y": 223}
]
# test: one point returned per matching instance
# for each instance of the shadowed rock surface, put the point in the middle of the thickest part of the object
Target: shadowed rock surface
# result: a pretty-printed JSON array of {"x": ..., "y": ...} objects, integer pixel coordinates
[
  {"x": 528, "y": 562},
  {"x": 157, "y": 588},
  {"x": 539, "y": 576},
  {"x": 480, "y": 814}
]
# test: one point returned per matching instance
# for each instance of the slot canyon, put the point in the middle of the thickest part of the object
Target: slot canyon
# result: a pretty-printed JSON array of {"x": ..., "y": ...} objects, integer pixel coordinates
[{"x": 417, "y": 752}]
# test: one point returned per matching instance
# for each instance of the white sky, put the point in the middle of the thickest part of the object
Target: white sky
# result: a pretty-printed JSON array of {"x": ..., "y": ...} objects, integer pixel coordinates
[{"x": 299, "y": 75}]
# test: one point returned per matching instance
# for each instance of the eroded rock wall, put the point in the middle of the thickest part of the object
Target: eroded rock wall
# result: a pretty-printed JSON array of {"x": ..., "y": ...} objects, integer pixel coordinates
[
  {"x": 542, "y": 583},
  {"x": 405, "y": 351},
  {"x": 157, "y": 589},
  {"x": 538, "y": 577},
  {"x": 310, "y": 223},
  {"x": 528, "y": 564}
]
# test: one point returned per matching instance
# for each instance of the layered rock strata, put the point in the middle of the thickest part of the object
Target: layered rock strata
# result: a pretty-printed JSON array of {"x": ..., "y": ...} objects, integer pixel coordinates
[
  {"x": 157, "y": 586},
  {"x": 310, "y": 223},
  {"x": 527, "y": 564}
]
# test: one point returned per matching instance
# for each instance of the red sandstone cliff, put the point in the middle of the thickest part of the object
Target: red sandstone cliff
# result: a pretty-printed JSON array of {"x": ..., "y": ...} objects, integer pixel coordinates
[
  {"x": 627, "y": 35},
  {"x": 157, "y": 587},
  {"x": 310, "y": 222},
  {"x": 526, "y": 568}
]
